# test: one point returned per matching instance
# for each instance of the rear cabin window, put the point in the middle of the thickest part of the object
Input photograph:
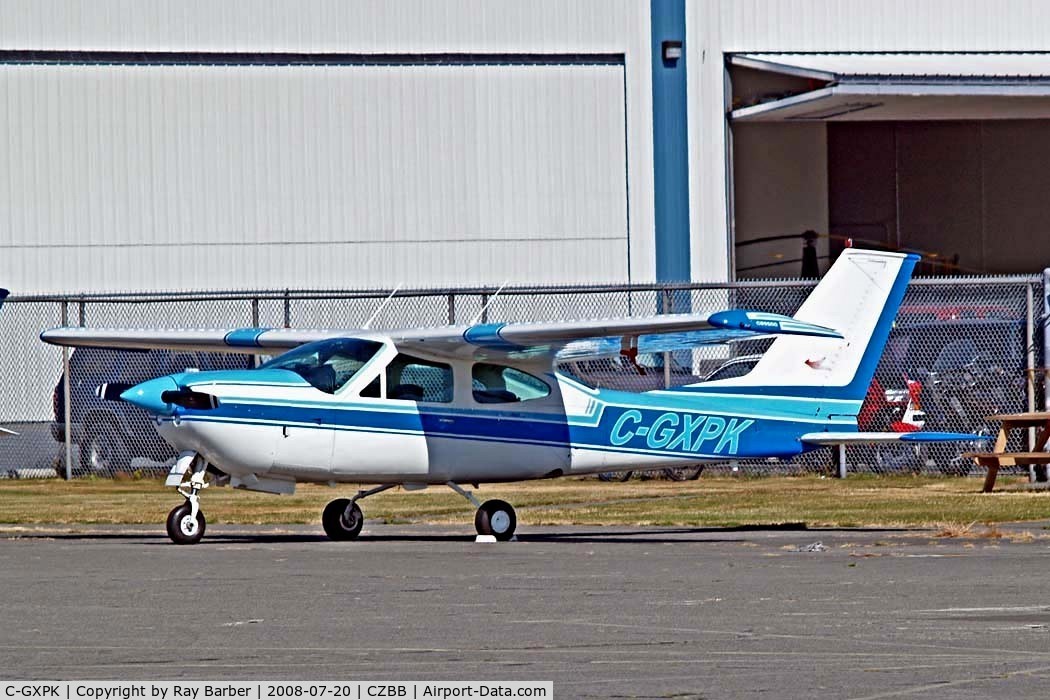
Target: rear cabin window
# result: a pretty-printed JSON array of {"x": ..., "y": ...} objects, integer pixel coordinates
[
  {"x": 327, "y": 364},
  {"x": 501, "y": 384},
  {"x": 415, "y": 379}
]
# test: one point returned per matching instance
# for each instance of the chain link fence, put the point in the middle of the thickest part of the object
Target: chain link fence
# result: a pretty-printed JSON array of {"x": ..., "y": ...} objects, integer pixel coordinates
[{"x": 961, "y": 349}]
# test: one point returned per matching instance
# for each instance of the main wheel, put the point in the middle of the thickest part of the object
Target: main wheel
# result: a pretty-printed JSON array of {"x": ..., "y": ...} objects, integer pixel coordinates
[
  {"x": 496, "y": 518},
  {"x": 337, "y": 525},
  {"x": 182, "y": 529}
]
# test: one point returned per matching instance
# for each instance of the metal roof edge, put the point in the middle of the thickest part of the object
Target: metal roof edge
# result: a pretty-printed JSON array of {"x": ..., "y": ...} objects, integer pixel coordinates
[{"x": 746, "y": 60}]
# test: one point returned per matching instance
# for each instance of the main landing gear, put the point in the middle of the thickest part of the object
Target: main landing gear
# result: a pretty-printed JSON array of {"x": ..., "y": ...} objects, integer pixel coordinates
[
  {"x": 495, "y": 517},
  {"x": 342, "y": 518},
  {"x": 186, "y": 522}
]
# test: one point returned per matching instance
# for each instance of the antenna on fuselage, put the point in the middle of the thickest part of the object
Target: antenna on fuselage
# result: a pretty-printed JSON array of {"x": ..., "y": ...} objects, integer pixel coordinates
[
  {"x": 368, "y": 323},
  {"x": 487, "y": 303}
]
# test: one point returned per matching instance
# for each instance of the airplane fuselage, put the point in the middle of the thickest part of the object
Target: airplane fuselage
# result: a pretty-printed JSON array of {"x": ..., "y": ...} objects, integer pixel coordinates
[{"x": 269, "y": 427}]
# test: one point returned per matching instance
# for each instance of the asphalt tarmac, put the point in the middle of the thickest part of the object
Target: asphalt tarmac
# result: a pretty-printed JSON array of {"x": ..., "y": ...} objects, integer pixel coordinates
[{"x": 602, "y": 612}]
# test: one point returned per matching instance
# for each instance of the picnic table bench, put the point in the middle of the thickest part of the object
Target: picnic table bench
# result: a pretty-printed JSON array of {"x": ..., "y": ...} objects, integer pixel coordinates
[{"x": 999, "y": 457}]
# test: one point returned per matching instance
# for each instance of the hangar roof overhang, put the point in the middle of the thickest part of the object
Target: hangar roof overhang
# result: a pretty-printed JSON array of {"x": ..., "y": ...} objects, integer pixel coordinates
[{"x": 902, "y": 86}]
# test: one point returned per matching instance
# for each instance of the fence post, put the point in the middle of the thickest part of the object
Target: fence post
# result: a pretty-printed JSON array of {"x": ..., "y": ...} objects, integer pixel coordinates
[
  {"x": 67, "y": 412},
  {"x": 287, "y": 309},
  {"x": 1029, "y": 303},
  {"x": 451, "y": 309},
  {"x": 1040, "y": 472}
]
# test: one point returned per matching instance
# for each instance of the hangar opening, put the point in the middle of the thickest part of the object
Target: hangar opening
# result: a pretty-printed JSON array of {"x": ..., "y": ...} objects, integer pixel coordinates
[{"x": 942, "y": 154}]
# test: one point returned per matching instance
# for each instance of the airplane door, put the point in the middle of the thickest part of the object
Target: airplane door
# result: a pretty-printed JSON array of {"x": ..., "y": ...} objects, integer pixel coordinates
[
  {"x": 389, "y": 442},
  {"x": 304, "y": 450},
  {"x": 388, "y": 435}
]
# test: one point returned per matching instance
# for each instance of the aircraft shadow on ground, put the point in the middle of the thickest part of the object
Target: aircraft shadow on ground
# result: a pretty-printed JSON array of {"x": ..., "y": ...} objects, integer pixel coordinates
[{"x": 642, "y": 536}]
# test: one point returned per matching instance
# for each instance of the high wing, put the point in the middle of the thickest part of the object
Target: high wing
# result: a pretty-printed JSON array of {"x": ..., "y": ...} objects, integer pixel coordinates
[{"x": 562, "y": 339}]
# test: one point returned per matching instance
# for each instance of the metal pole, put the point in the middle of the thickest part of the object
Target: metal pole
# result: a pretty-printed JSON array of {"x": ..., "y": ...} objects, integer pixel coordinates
[
  {"x": 67, "y": 413},
  {"x": 451, "y": 309},
  {"x": 253, "y": 360},
  {"x": 1030, "y": 367},
  {"x": 287, "y": 309},
  {"x": 841, "y": 461}
]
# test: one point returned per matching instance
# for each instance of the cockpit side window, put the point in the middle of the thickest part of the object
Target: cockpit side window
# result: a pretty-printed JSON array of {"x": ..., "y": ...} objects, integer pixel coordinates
[
  {"x": 501, "y": 384},
  {"x": 327, "y": 365},
  {"x": 415, "y": 379}
]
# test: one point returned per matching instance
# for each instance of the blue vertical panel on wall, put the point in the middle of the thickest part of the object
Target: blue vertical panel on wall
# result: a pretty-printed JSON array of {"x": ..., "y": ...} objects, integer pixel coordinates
[{"x": 670, "y": 142}]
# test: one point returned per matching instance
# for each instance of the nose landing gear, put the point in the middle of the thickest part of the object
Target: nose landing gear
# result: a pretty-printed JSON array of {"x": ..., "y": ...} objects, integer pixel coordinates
[{"x": 186, "y": 522}]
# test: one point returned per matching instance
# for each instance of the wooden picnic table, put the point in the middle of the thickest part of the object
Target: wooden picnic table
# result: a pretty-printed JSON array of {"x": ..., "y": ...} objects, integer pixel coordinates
[{"x": 999, "y": 457}]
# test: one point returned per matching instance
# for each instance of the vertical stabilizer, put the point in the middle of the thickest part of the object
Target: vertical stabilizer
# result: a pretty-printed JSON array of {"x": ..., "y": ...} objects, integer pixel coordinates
[
  {"x": 858, "y": 297},
  {"x": 3, "y": 295}
]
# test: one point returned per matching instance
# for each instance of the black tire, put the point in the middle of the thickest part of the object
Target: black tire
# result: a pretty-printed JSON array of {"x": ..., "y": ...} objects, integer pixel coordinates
[
  {"x": 336, "y": 525},
  {"x": 496, "y": 518},
  {"x": 683, "y": 473},
  {"x": 104, "y": 452},
  {"x": 182, "y": 529},
  {"x": 615, "y": 476}
]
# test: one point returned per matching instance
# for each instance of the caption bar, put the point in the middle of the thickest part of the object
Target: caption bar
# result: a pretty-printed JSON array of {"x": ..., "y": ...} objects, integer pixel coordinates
[{"x": 254, "y": 690}]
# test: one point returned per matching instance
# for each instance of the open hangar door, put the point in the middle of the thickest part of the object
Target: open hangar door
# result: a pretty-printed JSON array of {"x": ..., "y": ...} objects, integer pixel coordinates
[{"x": 941, "y": 153}]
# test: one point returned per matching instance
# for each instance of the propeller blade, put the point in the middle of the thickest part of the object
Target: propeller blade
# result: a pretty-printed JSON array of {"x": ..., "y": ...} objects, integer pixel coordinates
[
  {"x": 111, "y": 391},
  {"x": 187, "y": 398}
]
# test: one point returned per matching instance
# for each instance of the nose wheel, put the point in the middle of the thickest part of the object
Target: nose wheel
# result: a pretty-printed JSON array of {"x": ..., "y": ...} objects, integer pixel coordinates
[
  {"x": 185, "y": 526},
  {"x": 496, "y": 518},
  {"x": 186, "y": 522}
]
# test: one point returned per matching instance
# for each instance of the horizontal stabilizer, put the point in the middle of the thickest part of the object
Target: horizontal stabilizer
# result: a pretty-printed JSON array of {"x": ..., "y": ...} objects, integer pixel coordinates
[{"x": 872, "y": 438}]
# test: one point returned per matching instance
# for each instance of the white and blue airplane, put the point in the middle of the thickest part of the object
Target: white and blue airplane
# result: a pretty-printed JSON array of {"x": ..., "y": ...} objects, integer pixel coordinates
[{"x": 486, "y": 403}]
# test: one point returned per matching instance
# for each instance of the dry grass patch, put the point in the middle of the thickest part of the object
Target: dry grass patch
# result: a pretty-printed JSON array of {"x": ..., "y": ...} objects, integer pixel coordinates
[{"x": 945, "y": 504}]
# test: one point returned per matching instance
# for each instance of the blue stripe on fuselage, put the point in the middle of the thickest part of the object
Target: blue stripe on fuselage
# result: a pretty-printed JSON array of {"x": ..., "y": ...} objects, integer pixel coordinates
[{"x": 675, "y": 432}]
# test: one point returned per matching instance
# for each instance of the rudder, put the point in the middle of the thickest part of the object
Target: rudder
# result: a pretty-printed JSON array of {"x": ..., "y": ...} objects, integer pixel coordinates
[{"x": 859, "y": 297}]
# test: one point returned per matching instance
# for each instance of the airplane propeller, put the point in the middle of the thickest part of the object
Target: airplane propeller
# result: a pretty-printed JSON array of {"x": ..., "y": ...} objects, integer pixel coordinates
[{"x": 111, "y": 391}]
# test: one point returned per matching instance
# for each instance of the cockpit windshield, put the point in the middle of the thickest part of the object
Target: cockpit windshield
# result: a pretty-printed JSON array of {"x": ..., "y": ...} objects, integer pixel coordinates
[{"x": 327, "y": 364}]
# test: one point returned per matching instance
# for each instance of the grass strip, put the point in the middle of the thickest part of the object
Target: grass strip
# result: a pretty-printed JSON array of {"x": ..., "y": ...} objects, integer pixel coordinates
[{"x": 859, "y": 501}]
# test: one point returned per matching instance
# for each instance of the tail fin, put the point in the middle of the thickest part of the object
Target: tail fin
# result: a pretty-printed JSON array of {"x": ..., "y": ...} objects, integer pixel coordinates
[
  {"x": 3, "y": 295},
  {"x": 858, "y": 297}
]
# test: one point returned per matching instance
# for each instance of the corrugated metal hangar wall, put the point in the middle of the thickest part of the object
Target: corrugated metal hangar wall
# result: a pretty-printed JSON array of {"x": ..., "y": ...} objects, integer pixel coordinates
[
  {"x": 188, "y": 145},
  {"x": 171, "y": 145}
]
